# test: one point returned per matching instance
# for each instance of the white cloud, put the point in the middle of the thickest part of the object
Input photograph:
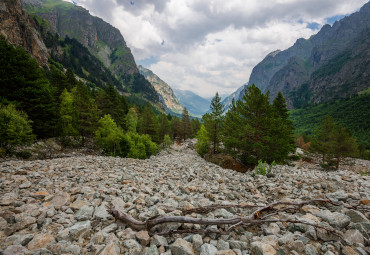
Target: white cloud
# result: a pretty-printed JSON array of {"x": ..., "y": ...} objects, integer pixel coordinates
[{"x": 213, "y": 45}]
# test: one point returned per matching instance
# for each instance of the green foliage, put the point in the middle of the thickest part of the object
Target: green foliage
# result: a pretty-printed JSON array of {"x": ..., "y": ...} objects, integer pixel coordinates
[
  {"x": 213, "y": 122},
  {"x": 333, "y": 141},
  {"x": 108, "y": 136},
  {"x": 15, "y": 128},
  {"x": 166, "y": 142},
  {"x": 164, "y": 127},
  {"x": 256, "y": 130},
  {"x": 131, "y": 120},
  {"x": 203, "y": 141},
  {"x": 352, "y": 112},
  {"x": 139, "y": 146},
  {"x": 68, "y": 116},
  {"x": 263, "y": 168},
  {"x": 23, "y": 82},
  {"x": 147, "y": 123}
]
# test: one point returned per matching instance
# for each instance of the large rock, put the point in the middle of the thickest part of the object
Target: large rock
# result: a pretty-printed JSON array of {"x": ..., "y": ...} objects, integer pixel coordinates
[
  {"x": 101, "y": 213},
  {"x": 346, "y": 250},
  {"x": 111, "y": 248},
  {"x": 335, "y": 219},
  {"x": 181, "y": 247},
  {"x": 40, "y": 241},
  {"x": 60, "y": 200},
  {"x": 85, "y": 213},
  {"x": 8, "y": 198},
  {"x": 356, "y": 216},
  {"x": 14, "y": 250},
  {"x": 143, "y": 237}
]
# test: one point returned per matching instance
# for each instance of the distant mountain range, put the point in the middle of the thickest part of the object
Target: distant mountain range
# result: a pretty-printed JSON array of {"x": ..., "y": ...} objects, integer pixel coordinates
[
  {"x": 334, "y": 63},
  {"x": 196, "y": 105}
]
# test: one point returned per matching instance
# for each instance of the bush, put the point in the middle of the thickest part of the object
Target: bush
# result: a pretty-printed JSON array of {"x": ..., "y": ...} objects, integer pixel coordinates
[
  {"x": 23, "y": 154},
  {"x": 202, "y": 145},
  {"x": 166, "y": 141},
  {"x": 15, "y": 128},
  {"x": 263, "y": 168},
  {"x": 109, "y": 136},
  {"x": 138, "y": 146}
]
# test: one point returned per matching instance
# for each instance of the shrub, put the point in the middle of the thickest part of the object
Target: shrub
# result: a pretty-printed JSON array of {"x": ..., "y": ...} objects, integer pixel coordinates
[
  {"x": 202, "y": 145},
  {"x": 263, "y": 168},
  {"x": 109, "y": 136},
  {"x": 166, "y": 141},
  {"x": 15, "y": 128}
]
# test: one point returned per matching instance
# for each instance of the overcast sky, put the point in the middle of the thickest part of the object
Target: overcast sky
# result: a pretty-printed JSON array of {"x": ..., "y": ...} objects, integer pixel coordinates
[{"x": 212, "y": 45}]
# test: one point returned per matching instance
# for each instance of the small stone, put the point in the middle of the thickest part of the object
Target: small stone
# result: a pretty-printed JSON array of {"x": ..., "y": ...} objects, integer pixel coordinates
[
  {"x": 108, "y": 229},
  {"x": 111, "y": 249},
  {"x": 101, "y": 213},
  {"x": 197, "y": 242},
  {"x": 24, "y": 239},
  {"x": 3, "y": 223},
  {"x": 40, "y": 241},
  {"x": 348, "y": 251},
  {"x": 338, "y": 195},
  {"x": 222, "y": 245},
  {"x": 353, "y": 236},
  {"x": 73, "y": 249},
  {"x": 158, "y": 241},
  {"x": 79, "y": 228},
  {"x": 84, "y": 213},
  {"x": 78, "y": 204},
  {"x": 143, "y": 237},
  {"x": 222, "y": 213},
  {"x": 238, "y": 245},
  {"x": 298, "y": 246},
  {"x": 60, "y": 200},
  {"x": 335, "y": 219},
  {"x": 97, "y": 238},
  {"x": 152, "y": 250},
  {"x": 25, "y": 185},
  {"x": 226, "y": 252},
  {"x": 8, "y": 198},
  {"x": 208, "y": 249},
  {"x": 260, "y": 248},
  {"x": 132, "y": 244},
  {"x": 14, "y": 250},
  {"x": 272, "y": 229},
  {"x": 310, "y": 250},
  {"x": 182, "y": 247}
]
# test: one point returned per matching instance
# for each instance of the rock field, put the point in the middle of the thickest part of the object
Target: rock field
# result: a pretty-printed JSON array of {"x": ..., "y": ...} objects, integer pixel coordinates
[{"x": 58, "y": 206}]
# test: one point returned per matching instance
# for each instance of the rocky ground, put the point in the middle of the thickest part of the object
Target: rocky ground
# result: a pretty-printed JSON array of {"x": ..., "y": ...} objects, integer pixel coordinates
[{"x": 58, "y": 206}]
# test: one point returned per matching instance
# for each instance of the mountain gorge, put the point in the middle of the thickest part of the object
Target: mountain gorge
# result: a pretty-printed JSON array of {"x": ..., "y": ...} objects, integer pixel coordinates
[
  {"x": 168, "y": 97},
  {"x": 196, "y": 105},
  {"x": 334, "y": 63}
]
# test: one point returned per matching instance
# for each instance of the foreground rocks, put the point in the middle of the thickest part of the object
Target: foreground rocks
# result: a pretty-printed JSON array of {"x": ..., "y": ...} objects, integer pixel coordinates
[{"x": 58, "y": 206}]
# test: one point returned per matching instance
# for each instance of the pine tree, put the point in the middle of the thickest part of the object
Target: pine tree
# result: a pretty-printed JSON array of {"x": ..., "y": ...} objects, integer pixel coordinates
[
  {"x": 86, "y": 109},
  {"x": 176, "y": 128},
  {"x": 213, "y": 122},
  {"x": 230, "y": 135},
  {"x": 344, "y": 144},
  {"x": 323, "y": 141},
  {"x": 131, "y": 120},
  {"x": 147, "y": 124},
  {"x": 185, "y": 124},
  {"x": 163, "y": 127}
]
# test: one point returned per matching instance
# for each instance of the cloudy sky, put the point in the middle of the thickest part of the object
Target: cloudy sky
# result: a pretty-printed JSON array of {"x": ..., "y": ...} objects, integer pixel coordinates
[{"x": 212, "y": 45}]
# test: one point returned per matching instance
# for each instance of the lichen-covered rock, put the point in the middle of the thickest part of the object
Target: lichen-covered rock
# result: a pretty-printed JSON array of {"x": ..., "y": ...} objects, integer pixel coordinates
[{"x": 182, "y": 247}]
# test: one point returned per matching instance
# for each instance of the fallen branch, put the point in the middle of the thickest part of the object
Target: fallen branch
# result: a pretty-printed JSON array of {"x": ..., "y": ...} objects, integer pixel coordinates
[{"x": 255, "y": 218}]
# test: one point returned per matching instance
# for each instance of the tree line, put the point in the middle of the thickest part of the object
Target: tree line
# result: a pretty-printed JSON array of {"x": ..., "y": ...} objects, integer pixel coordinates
[{"x": 38, "y": 103}]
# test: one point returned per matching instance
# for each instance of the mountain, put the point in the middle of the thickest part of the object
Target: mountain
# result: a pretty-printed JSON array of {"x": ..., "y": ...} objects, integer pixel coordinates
[
  {"x": 163, "y": 89},
  {"x": 334, "y": 63},
  {"x": 102, "y": 40},
  {"x": 196, "y": 105},
  {"x": 17, "y": 27},
  {"x": 228, "y": 100}
]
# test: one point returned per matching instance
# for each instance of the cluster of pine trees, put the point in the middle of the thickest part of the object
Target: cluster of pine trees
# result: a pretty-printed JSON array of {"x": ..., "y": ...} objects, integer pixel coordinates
[
  {"x": 37, "y": 103},
  {"x": 252, "y": 130}
]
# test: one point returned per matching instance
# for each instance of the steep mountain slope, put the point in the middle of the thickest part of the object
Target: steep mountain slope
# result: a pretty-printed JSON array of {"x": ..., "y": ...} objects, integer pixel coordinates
[
  {"x": 103, "y": 41},
  {"x": 170, "y": 100},
  {"x": 196, "y": 105},
  {"x": 334, "y": 63},
  {"x": 228, "y": 100},
  {"x": 19, "y": 29}
]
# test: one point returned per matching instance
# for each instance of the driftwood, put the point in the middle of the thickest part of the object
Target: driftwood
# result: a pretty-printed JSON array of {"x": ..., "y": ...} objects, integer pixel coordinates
[{"x": 258, "y": 216}]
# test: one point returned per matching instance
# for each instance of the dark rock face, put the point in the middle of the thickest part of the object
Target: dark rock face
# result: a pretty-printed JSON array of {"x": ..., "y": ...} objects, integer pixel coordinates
[
  {"x": 334, "y": 63},
  {"x": 19, "y": 29}
]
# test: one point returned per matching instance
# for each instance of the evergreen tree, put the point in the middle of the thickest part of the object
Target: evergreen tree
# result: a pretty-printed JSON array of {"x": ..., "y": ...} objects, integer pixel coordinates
[
  {"x": 163, "y": 127},
  {"x": 24, "y": 83},
  {"x": 213, "y": 122},
  {"x": 230, "y": 137},
  {"x": 344, "y": 144},
  {"x": 109, "y": 101},
  {"x": 86, "y": 110},
  {"x": 195, "y": 126},
  {"x": 323, "y": 141},
  {"x": 185, "y": 125},
  {"x": 147, "y": 124},
  {"x": 15, "y": 128},
  {"x": 176, "y": 128}
]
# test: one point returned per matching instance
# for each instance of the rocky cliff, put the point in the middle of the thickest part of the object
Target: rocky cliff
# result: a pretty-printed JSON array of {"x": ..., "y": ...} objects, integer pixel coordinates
[
  {"x": 334, "y": 63},
  {"x": 170, "y": 100},
  {"x": 102, "y": 39},
  {"x": 19, "y": 29}
]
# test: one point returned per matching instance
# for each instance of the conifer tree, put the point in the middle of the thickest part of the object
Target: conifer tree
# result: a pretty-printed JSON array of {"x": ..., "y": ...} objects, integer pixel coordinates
[
  {"x": 131, "y": 120},
  {"x": 344, "y": 144},
  {"x": 213, "y": 122},
  {"x": 163, "y": 127},
  {"x": 147, "y": 124},
  {"x": 86, "y": 110},
  {"x": 185, "y": 124},
  {"x": 230, "y": 135},
  {"x": 176, "y": 128}
]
